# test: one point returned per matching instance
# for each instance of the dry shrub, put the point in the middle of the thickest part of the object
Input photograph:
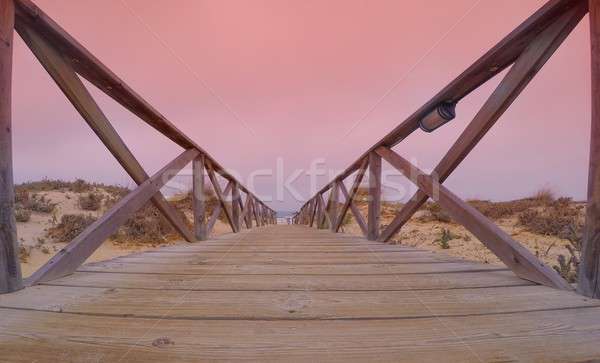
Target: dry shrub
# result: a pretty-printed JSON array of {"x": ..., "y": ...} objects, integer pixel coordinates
[
  {"x": 557, "y": 219},
  {"x": 22, "y": 214},
  {"x": 33, "y": 202},
  {"x": 77, "y": 186},
  {"x": 445, "y": 237},
  {"x": 435, "y": 213},
  {"x": 147, "y": 225},
  {"x": 567, "y": 267},
  {"x": 69, "y": 227},
  {"x": 184, "y": 202},
  {"x": 544, "y": 196},
  {"x": 499, "y": 210},
  {"x": 90, "y": 201},
  {"x": 24, "y": 253}
]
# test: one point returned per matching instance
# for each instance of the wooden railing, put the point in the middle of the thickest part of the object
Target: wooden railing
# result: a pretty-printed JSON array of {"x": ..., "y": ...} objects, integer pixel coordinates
[
  {"x": 527, "y": 49},
  {"x": 65, "y": 60}
]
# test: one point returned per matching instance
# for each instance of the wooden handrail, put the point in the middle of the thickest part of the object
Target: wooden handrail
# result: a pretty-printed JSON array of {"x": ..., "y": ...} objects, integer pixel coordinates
[
  {"x": 65, "y": 59},
  {"x": 92, "y": 69},
  {"x": 526, "y": 50}
]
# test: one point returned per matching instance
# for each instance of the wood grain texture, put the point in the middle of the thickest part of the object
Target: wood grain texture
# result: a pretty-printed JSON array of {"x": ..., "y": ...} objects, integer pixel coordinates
[
  {"x": 374, "y": 212},
  {"x": 589, "y": 270},
  {"x": 10, "y": 267},
  {"x": 198, "y": 199},
  {"x": 451, "y": 312},
  {"x": 235, "y": 206},
  {"x": 77, "y": 251}
]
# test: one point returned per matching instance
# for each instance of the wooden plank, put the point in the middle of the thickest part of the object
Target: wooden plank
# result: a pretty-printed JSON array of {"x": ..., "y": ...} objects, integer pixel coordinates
[
  {"x": 355, "y": 211},
  {"x": 293, "y": 305},
  {"x": 10, "y": 267},
  {"x": 589, "y": 269},
  {"x": 285, "y": 258},
  {"x": 72, "y": 87},
  {"x": 374, "y": 196},
  {"x": 114, "y": 266},
  {"x": 523, "y": 71},
  {"x": 198, "y": 199},
  {"x": 510, "y": 252},
  {"x": 349, "y": 203},
  {"x": 77, "y": 251},
  {"x": 543, "y": 336},
  {"x": 219, "y": 282}
]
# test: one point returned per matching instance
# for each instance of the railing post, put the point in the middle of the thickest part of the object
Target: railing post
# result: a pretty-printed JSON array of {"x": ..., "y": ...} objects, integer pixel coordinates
[
  {"x": 235, "y": 206},
  {"x": 198, "y": 198},
  {"x": 374, "y": 196},
  {"x": 333, "y": 206},
  {"x": 10, "y": 268},
  {"x": 589, "y": 273}
]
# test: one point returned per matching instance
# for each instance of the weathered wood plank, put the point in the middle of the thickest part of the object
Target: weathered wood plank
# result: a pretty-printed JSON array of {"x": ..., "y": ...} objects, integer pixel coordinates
[
  {"x": 589, "y": 270},
  {"x": 292, "y": 305},
  {"x": 545, "y": 336},
  {"x": 10, "y": 268},
  {"x": 285, "y": 258},
  {"x": 289, "y": 270},
  {"x": 160, "y": 280},
  {"x": 77, "y": 251}
]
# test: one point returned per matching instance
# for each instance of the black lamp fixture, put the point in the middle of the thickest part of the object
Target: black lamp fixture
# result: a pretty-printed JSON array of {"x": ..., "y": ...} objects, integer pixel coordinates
[{"x": 440, "y": 115}]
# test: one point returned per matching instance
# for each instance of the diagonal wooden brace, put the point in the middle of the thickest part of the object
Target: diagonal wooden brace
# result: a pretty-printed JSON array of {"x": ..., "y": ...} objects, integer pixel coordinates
[
  {"x": 522, "y": 262},
  {"x": 67, "y": 260},
  {"x": 350, "y": 198},
  {"x": 522, "y": 72},
  {"x": 355, "y": 211},
  {"x": 68, "y": 81},
  {"x": 217, "y": 211}
]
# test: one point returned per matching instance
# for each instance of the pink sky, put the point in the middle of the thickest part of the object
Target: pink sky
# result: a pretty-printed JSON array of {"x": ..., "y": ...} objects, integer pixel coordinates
[{"x": 252, "y": 81}]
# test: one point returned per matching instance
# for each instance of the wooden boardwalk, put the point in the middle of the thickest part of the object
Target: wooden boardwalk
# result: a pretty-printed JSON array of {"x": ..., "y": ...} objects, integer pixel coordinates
[{"x": 294, "y": 293}]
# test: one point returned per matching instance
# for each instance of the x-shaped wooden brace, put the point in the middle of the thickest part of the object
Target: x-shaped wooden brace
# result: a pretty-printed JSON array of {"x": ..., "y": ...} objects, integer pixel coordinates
[
  {"x": 349, "y": 203},
  {"x": 522, "y": 262},
  {"x": 522, "y": 72},
  {"x": 65, "y": 77},
  {"x": 515, "y": 256}
]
